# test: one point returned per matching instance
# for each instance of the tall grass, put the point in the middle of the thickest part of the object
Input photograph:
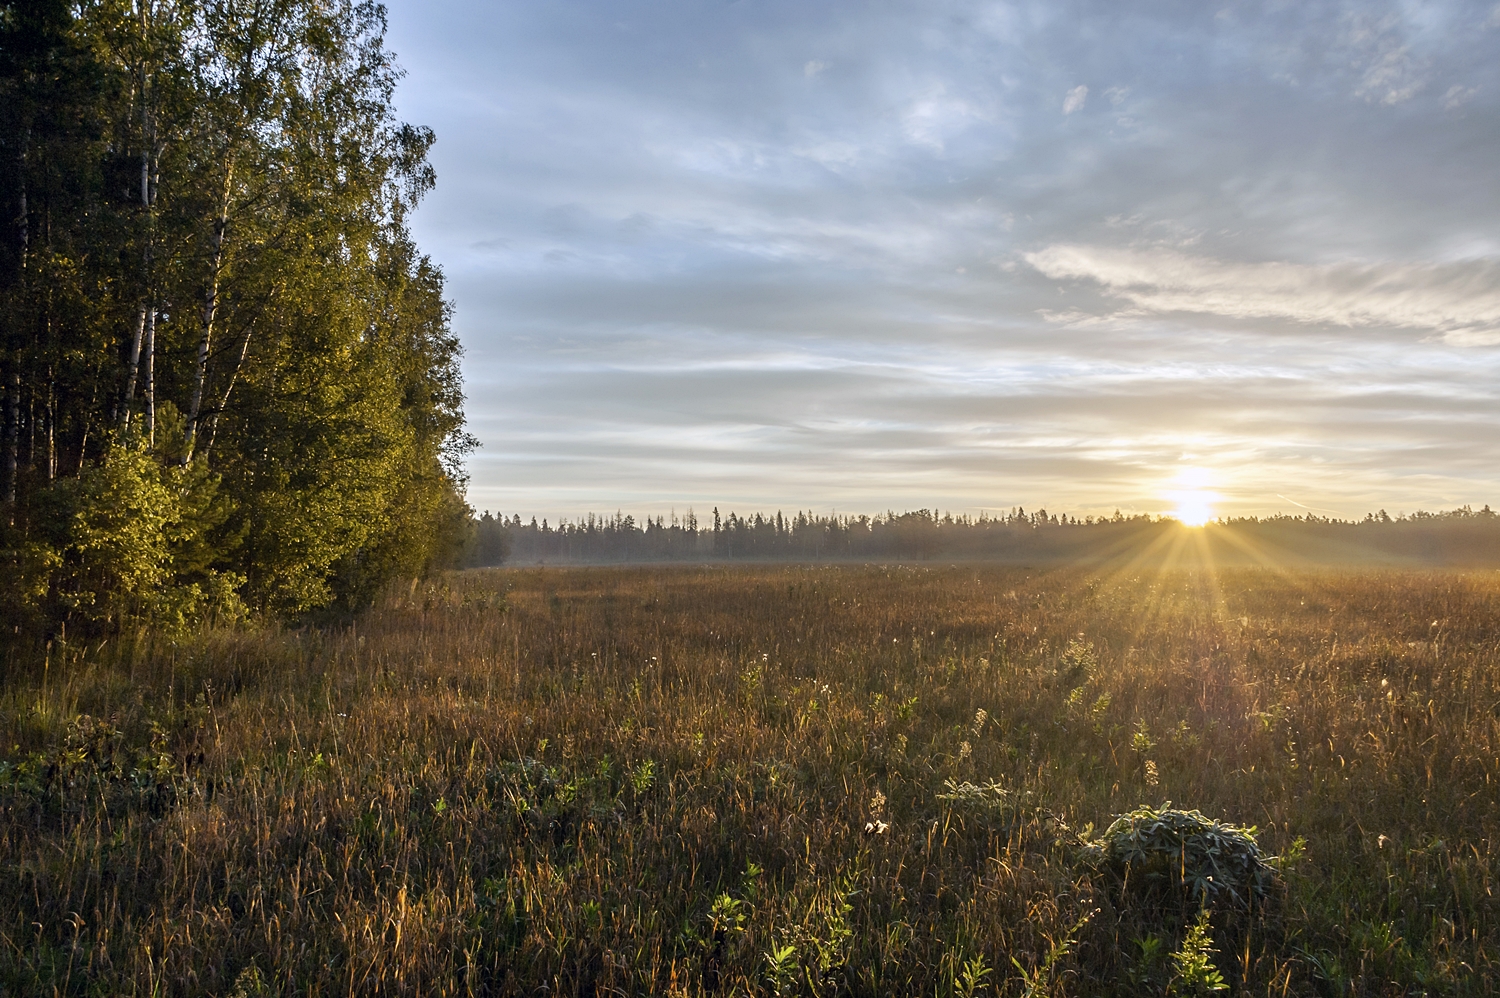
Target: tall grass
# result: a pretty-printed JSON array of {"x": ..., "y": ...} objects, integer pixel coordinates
[{"x": 762, "y": 780}]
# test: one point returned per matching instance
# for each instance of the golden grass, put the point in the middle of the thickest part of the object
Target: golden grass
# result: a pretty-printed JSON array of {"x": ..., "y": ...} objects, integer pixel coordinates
[{"x": 653, "y": 781}]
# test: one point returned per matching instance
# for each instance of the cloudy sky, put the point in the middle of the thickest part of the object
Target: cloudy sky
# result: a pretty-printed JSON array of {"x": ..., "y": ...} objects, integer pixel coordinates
[{"x": 967, "y": 255}]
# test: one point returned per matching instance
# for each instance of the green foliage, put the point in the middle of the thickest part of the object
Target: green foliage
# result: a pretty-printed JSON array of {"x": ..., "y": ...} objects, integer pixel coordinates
[
  {"x": 643, "y": 777},
  {"x": 128, "y": 539},
  {"x": 989, "y": 799},
  {"x": 227, "y": 377},
  {"x": 486, "y": 543},
  {"x": 1165, "y": 856},
  {"x": 1193, "y": 966},
  {"x": 823, "y": 936},
  {"x": 781, "y": 969},
  {"x": 97, "y": 765},
  {"x": 727, "y": 916},
  {"x": 1150, "y": 949},
  {"x": 971, "y": 980},
  {"x": 999, "y": 810},
  {"x": 251, "y": 983}
]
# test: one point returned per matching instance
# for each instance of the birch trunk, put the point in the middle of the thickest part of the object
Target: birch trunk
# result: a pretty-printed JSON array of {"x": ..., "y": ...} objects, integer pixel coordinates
[
  {"x": 149, "y": 393},
  {"x": 213, "y": 419},
  {"x": 210, "y": 313},
  {"x": 146, "y": 327},
  {"x": 135, "y": 364},
  {"x": 51, "y": 427}
]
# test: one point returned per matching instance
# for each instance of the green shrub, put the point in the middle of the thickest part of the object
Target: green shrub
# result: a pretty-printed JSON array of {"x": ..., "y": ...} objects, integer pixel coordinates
[
  {"x": 1164, "y": 856},
  {"x": 132, "y": 539}
]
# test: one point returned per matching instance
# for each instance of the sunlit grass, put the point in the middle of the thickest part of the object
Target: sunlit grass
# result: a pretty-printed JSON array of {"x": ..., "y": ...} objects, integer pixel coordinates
[{"x": 715, "y": 781}]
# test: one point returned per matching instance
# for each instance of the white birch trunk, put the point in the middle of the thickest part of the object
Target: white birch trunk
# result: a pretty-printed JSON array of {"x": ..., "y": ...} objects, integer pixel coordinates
[
  {"x": 149, "y": 393},
  {"x": 210, "y": 313},
  {"x": 135, "y": 364}
]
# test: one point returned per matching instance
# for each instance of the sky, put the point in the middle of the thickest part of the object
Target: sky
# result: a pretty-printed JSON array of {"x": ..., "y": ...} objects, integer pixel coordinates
[{"x": 965, "y": 256}]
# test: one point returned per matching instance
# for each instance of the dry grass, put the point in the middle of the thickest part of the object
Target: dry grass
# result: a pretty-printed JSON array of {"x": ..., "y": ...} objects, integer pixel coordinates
[{"x": 656, "y": 781}]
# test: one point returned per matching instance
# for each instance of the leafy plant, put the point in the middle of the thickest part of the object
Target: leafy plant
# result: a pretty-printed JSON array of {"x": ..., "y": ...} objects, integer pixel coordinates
[
  {"x": 726, "y": 916},
  {"x": 972, "y": 978},
  {"x": 1194, "y": 973},
  {"x": 1157, "y": 854},
  {"x": 1150, "y": 949},
  {"x": 1000, "y": 808},
  {"x": 781, "y": 969},
  {"x": 643, "y": 777},
  {"x": 1038, "y": 980}
]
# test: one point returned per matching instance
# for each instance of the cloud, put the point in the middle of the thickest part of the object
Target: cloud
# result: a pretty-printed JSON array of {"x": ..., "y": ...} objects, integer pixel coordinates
[
  {"x": 771, "y": 254},
  {"x": 935, "y": 116},
  {"x": 1457, "y": 96},
  {"x": 1389, "y": 72},
  {"x": 1460, "y": 301}
]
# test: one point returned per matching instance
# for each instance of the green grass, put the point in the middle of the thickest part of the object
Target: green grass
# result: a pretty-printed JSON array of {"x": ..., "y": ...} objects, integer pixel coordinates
[{"x": 606, "y": 781}]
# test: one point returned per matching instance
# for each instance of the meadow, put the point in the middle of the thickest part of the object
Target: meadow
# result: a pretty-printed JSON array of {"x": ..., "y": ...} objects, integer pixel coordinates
[{"x": 819, "y": 781}]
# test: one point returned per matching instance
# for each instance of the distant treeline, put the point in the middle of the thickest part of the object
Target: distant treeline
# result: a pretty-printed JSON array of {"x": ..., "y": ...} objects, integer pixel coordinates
[{"x": 1458, "y": 537}]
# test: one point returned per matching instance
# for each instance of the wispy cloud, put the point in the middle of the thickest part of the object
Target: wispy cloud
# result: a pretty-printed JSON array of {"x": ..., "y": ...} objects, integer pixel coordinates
[
  {"x": 1458, "y": 96},
  {"x": 1460, "y": 301},
  {"x": 1388, "y": 72}
]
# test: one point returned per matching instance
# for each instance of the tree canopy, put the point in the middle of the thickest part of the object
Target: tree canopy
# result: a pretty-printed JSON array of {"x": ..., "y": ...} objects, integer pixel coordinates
[{"x": 228, "y": 378}]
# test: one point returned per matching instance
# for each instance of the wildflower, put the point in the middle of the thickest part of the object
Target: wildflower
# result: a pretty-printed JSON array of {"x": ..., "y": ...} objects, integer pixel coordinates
[
  {"x": 964, "y": 750},
  {"x": 877, "y": 803},
  {"x": 980, "y": 716},
  {"x": 1152, "y": 779}
]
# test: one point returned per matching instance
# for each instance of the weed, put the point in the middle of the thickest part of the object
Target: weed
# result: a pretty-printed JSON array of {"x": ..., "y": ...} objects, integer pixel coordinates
[
  {"x": 972, "y": 978},
  {"x": 1193, "y": 966}
]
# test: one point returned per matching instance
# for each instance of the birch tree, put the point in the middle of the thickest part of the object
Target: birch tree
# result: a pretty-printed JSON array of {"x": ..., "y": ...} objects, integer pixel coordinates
[{"x": 210, "y": 293}]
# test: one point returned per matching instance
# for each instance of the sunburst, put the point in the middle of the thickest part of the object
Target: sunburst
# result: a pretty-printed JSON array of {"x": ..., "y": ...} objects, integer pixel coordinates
[{"x": 1193, "y": 498}]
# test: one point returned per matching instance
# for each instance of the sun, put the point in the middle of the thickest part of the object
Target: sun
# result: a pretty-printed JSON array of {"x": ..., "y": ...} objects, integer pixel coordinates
[
  {"x": 1194, "y": 499},
  {"x": 1194, "y": 509}
]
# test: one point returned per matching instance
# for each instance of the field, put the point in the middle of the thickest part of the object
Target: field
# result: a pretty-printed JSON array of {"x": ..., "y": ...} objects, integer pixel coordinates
[{"x": 770, "y": 780}]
